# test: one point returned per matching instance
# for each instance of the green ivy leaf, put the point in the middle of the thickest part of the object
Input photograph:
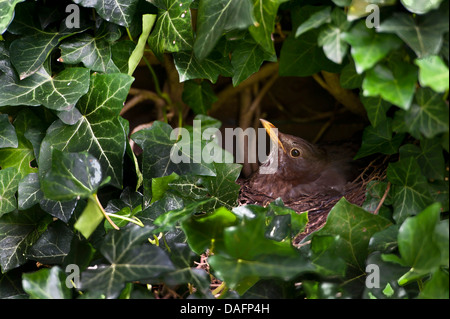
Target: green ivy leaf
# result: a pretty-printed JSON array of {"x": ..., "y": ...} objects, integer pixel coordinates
[
  {"x": 247, "y": 58},
  {"x": 376, "y": 109},
  {"x": 428, "y": 115},
  {"x": 7, "y": 13},
  {"x": 198, "y": 96},
  {"x": 410, "y": 189},
  {"x": 422, "y": 34},
  {"x": 121, "y": 53},
  {"x": 320, "y": 16},
  {"x": 216, "y": 17},
  {"x": 264, "y": 12},
  {"x": 437, "y": 287},
  {"x": 9, "y": 182},
  {"x": 189, "y": 67},
  {"x": 46, "y": 284},
  {"x": 421, "y": 7},
  {"x": 8, "y": 136},
  {"x": 396, "y": 84},
  {"x": 53, "y": 245},
  {"x": 433, "y": 72},
  {"x": 379, "y": 140},
  {"x": 18, "y": 232},
  {"x": 98, "y": 132},
  {"x": 73, "y": 175},
  {"x": 355, "y": 227},
  {"x": 330, "y": 37},
  {"x": 120, "y": 12},
  {"x": 172, "y": 32},
  {"x": 303, "y": 57},
  {"x": 416, "y": 242},
  {"x": 349, "y": 78},
  {"x": 429, "y": 156},
  {"x": 130, "y": 258},
  {"x": 29, "y": 191},
  {"x": 369, "y": 47},
  {"x": 60, "y": 92}
]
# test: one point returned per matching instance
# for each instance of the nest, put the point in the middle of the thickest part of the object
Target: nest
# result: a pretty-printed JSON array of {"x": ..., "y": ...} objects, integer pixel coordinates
[{"x": 318, "y": 205}]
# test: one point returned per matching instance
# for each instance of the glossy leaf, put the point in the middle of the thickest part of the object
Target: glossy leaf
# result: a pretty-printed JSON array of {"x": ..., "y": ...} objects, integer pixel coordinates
[
  {"x": 172, "y": 32},
  {"x": 379, "y": 139},
  {"x": 330, "y": 37},
  {"x": 57, "y": 93},
  {"x": 98, "y": 132},
  {"x": 199, "y": 96},
  {"x": 18, "y": 232},
  {"x": 189, "y": 67},
  {"x": 317, "y": 19},
  {"x": 423, "y": 35},
  {"x": 9, "y": 182},
  {"x": 8, "y": 136},
  {"x": 119, "y": 11},
  {"x": 7, "y": 13},
  {"x": 433, "y": 73},
  {"x": 73, "y": 175},
  {"x": 369, "y": 47},
  {"x": 217, "y": 16},
  {"x": 264, "y": 13},
  {"x": 421, "y": 7},
  {"x": 376, "y": 109},
  {"x": 46, "y": 284},
  {"x": 428, "y": 115},
  {"x": 396, "y": 85},
  {"x": 29, "y": 191},
  {"x": 409, "y": 188},
  {"x": 355, "y": 227},
  {"x": 130, "y": 258}
]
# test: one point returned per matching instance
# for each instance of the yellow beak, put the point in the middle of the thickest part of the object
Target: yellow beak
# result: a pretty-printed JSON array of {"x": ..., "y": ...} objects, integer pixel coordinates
[{"x": 272, "y": 134}]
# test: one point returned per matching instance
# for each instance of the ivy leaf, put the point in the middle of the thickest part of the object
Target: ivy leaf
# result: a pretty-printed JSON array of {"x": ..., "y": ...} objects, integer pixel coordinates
[
  {"x": 395, "y": 85},
  {"x": 93, "y": 52},
  {"x": 355, "y": 227},
  {"x": 9, "y": 182},
  {"x": 247, "y": 58},
  {"x": 22, "y": 156},
  {"x": 420, "y": 7},
  {"x": 159, "y": 143},
  {"x": 29, "y": 191},
  {"x": 8, "y": 136},
  {"x": 121, "y": 53},
  {"x": 416, "y": 242},
  {"x": 98, "y": 132},
  {"x": 53, "y": 245},
  {"x": 46, "y": 284},
  {"x": 349, "y": 78},
  {"x": 422, "y": 34},
  {"x": 198, "y": 96},
  {"x": 369, "y": 47},
  {"x": 264, "y": 12},
  {"x": 189, "y": 67},
  {"x": 18, "y": 232},
  {"x": 172, "y": 32},
  {"x": 321, "y": 16},
  {"x": 379, "y": 140},
  {"x": 433, "y": 72},
  {"x": 330, "y": 37},
  {"x": 217, "y": 16},
  {"x": 376, "y": 109},
  {"x": 72, "y": 175},
  {"x": 428, "y": 114},
  {"x": 429, "y": 156},
  {"x": 7, "y": 13},
  {"x": 303, "y": 57},
  {"x": 410, "y": 189},
  {"x": 120, "y": 12},
  {"x": 130, "y": 258},
  {"x": 58, "y": 93}
]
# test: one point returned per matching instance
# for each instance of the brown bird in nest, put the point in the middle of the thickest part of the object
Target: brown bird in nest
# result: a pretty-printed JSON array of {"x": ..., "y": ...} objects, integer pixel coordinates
[{"x": 303, "y": 168}]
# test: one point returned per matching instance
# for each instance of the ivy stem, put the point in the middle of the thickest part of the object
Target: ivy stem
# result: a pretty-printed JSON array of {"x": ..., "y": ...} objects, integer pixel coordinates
[
  {"x": 104, "y": 213},
  {"x": 129, "y": 35},
  {"x": 221, "y": 290},
  {"x": 133, "y": 220}
]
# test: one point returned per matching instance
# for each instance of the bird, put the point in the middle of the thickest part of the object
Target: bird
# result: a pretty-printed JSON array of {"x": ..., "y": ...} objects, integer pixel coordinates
[{"x": 303, "y": 168}]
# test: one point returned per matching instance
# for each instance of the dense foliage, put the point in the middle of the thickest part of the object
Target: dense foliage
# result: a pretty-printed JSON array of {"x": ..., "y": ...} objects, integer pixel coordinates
[{"x": 66, "y": 162}]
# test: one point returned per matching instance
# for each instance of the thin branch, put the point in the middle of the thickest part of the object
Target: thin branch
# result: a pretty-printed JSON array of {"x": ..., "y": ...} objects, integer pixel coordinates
[{"x": 388, "y": 187}]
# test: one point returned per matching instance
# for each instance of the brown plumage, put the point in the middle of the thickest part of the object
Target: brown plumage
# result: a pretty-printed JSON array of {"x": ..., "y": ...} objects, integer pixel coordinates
[{"x": 304, "y": 168}]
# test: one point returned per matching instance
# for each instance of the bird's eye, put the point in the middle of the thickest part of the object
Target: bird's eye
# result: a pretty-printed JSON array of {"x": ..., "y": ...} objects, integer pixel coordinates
[{"x": 295, "y": 152}]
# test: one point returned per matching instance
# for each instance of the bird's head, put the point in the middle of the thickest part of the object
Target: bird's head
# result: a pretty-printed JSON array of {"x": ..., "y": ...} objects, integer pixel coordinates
[{"x": 298, "y": 159}]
